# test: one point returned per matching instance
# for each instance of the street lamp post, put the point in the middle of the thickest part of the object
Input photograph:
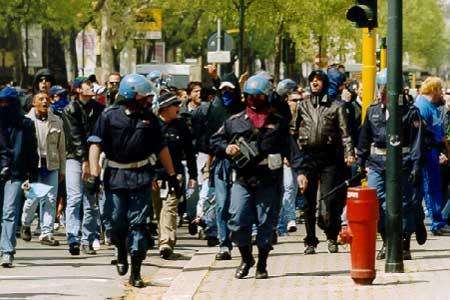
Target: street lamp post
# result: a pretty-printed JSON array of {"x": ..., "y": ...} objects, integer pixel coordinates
[{"x": 241, "y": 35}]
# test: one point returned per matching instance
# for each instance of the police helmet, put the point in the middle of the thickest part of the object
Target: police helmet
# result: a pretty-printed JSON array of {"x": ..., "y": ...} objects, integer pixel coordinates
[
  {"x": 134, "y": 84},
  {"x": 153, "y": 75},
  {"x": 257, "y": 85},
  {"x": 286, "y": 86}
]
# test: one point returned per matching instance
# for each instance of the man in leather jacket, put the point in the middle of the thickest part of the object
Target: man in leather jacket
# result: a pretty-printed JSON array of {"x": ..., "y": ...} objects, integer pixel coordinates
[
  {"x": 322, "y": 132},
  {"x": 79, "y": 117}
]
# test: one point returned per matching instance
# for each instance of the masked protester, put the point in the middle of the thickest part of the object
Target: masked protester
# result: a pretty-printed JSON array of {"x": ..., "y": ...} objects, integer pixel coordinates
[
  {"x": 256, "y": 141},
  {"x": 322, "y": 131},
  {"x": 58, "y": 99},
  {"x": 371, "y": 153},
  {"x": 130, "y": 136},
  {"x": 20, "y": 140},
  {"x": 79, "y": 118}
]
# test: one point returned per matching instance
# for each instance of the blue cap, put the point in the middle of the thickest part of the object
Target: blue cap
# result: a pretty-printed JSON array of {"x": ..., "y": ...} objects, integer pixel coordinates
[
  {"x": 56, "y": 90},
  {"x": 9, "y": 93}
]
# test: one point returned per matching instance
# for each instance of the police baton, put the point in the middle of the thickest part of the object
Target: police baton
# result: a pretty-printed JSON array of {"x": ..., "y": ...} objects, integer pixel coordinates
[{"x": 343, "y": 185}]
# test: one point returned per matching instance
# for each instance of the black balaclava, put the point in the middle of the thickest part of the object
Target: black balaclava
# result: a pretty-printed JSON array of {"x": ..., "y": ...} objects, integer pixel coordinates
[{"x": 319, "y": 96}]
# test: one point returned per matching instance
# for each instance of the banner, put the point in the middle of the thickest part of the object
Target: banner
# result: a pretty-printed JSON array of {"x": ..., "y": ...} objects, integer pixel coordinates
[{"x": 85, "y": 44}]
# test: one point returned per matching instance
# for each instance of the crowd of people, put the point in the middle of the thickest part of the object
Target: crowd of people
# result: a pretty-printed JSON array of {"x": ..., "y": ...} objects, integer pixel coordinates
[{"x": 241, "y": 161}]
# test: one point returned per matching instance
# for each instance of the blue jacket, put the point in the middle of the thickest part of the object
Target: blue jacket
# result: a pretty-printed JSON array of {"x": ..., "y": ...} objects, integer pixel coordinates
[
  {"x": 434, "y": 122},
  {"x": 374, "y": 134}
]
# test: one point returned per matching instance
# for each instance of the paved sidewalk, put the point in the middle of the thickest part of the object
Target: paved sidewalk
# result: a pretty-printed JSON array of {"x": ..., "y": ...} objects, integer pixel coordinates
[
  {"x": 326, "y": 276},
  {"x": 42, "y": 272}
]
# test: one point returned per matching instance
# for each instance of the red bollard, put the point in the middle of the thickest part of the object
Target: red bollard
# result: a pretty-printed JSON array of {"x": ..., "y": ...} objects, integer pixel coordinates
[{"x": 362, "y": 214}]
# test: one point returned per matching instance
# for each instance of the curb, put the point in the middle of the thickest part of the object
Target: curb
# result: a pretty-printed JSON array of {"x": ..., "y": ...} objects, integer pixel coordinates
[{"x": 186, "y": 284}]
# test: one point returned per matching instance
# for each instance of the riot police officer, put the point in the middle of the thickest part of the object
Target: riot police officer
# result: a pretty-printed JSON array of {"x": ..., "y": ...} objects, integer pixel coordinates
[
  {"x": 130, "y": 135},
  {"x": 371, "y": 152},
  {"x": 256, "y": 140}
]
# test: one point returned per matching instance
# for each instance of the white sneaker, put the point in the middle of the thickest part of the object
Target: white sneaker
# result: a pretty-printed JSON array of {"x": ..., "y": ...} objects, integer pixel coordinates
[
  {"x": 96, "y": 245},
  {"x": 56, "y": 226},
  {"x": 292, "y": 226}
]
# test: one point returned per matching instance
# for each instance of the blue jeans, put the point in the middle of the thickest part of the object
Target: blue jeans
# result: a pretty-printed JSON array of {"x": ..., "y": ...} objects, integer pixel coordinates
[
  {"x": 104, "y": 205},
  {"x": 377, "y": 180},
  {"x": 222, "y": 191},
  {"x": 47, "y": 205},
  {"x": 253, "y": 206},
  {"x": 287, "y": 212},
  {"x": 129, "y": 210},
  {"x": 11, "y": 197},
  {"x": 431, "y": 187},
  {"x": 77, "y": 199}
]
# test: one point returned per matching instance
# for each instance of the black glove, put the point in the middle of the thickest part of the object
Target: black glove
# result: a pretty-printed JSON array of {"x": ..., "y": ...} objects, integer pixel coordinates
[
  {"x": 5, "y": 174},
  {"x": 174, "y": 185},
  {"x": 414, "y": 177},
  {"x": 92, "y": 185}
]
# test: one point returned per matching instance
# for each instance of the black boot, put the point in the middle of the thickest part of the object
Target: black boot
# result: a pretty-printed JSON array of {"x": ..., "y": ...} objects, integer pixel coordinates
[
  {"x": 247, "y": 262},
  {"x": 261, "y": 266},
  {"x": 135, "y": 276},
  {"x": 406, "y": 248},
  {"x": 122, "y": 260}
]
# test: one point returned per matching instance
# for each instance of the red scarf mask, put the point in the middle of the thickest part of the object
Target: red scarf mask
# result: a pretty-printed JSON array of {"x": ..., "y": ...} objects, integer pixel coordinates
[{"x": 257, "y": 111}]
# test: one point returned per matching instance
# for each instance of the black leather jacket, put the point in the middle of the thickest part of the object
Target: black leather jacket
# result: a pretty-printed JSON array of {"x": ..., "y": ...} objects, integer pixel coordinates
[
  {"x": 322, "y": 123},
  {"x": 79, "y": 120}
]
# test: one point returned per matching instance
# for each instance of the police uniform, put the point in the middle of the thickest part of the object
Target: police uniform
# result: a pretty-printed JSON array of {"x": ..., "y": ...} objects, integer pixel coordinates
[
  {"x": 371, "y": 152},
  {"x": 130, "y": 142},
  {"x": 257, "y": 186}
]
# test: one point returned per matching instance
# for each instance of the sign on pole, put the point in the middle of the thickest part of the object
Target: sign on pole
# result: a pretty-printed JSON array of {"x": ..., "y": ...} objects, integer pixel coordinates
[
  {"x": 149, "y": 24},
  {"x": 220, "y": 57}
]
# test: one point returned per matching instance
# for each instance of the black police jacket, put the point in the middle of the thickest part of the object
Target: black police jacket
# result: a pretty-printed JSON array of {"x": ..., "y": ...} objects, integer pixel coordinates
[
  {"x": 18, "y": 150},
  {"x": 125, "y": 139},
  {"x": 178, "y": 138},
  {"x": 322, "y": 123},
  {"x": 374, "y": 134},
  {"x": 79, "y": 120},
  {"x": 274, "y": 138}
]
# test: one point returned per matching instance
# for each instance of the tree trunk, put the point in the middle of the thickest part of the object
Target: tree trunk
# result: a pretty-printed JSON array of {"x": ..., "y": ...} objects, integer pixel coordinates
[
  {"x": 278, "y": 49},
  {"x": 73, "y": 53},
  {"x": 106, "y": 43}
]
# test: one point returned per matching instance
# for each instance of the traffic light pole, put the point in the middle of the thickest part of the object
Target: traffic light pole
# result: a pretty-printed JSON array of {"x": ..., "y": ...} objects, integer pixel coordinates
[
  {"x": 369, "y": 68},
  {"x": 383, "y": 54},
  {"x": 394, "y": 252}
]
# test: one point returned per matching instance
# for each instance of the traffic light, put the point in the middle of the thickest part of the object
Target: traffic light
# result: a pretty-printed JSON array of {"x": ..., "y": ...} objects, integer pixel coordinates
[{"x": 364, "y": 14}]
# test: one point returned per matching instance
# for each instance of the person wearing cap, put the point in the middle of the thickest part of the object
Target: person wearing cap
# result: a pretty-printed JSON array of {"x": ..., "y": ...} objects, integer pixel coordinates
[
  {"x": 79, "y": 117},
  {"x": 42, "y": 82},
  {"x": 256, "y": 141},
  {"x": 322, "y": 130},
  {"x": 178, "y": 138},
  {"x": 130, "y": 135},
  {"x": 20, "y": 140},
  {"x": 58, "y": 99}
]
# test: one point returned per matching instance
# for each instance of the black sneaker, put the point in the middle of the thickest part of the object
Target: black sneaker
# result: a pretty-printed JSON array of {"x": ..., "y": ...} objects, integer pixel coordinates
[
  {"x": 74, "y": 249},
  {"x": 49, "y": 241},
  {"x": 165, "y": 252},
  {"x": 310, "y": 250},
  {"x": 88, "y": 250},
  {"x": 26, "y": 233},
  {"x": 332, "y": 246}
]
